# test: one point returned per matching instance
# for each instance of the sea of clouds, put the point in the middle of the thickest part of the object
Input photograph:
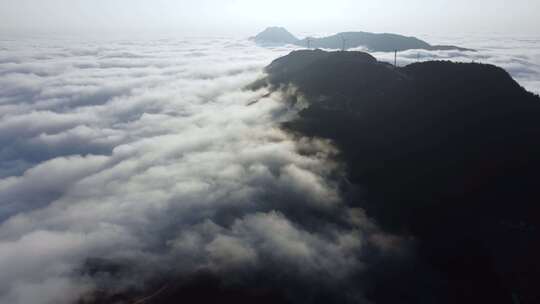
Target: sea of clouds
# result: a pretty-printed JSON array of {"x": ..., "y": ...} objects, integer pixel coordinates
[{"x": 150, "y": 153}]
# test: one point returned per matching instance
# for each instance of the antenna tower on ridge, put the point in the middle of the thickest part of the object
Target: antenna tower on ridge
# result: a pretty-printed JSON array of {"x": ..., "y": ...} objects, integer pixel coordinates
[{"x": 344, "y": 43}]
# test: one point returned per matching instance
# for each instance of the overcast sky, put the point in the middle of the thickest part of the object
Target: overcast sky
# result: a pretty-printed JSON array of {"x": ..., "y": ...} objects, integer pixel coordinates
[{"x": 249, "y": 16}]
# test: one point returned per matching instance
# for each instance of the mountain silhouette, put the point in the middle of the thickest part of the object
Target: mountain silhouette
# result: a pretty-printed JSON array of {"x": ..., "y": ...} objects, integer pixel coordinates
[
  {"x": 275, "y": 35},
  {"x": 444, "y": 152},
  {"x": 371, "y": 41}
]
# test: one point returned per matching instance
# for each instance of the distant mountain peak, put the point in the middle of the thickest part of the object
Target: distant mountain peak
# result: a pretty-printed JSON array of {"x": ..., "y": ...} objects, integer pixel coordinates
[
  {"x": 275, "y": 35},
  {"x": 375, "y": 42}
]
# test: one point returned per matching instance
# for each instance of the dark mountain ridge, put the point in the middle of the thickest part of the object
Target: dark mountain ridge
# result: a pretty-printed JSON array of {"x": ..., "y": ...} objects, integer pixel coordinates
[
  {"x": 446, "y": 152},
  {"x": 383, "y": 42},
  {"x": 441, "y": 153}
]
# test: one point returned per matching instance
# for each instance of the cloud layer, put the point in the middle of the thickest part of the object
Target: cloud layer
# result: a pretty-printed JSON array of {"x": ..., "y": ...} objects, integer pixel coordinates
[
  {"x": 148, "y": 159},
  {"x": 150, "y": 154}
]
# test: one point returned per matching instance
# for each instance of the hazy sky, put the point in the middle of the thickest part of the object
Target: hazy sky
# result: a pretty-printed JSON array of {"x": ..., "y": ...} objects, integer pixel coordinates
[{"x": 249, "y": 16}]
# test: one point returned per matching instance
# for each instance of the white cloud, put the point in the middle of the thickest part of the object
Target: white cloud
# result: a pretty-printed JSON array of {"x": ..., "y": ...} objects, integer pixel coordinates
[
  {"x": 150, "y": 153},
  {"x": 142, "y": 152}
]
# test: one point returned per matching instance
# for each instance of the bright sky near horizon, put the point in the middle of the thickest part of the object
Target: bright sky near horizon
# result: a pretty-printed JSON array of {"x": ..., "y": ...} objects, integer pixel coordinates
[{"x": 514, "y": 17}]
